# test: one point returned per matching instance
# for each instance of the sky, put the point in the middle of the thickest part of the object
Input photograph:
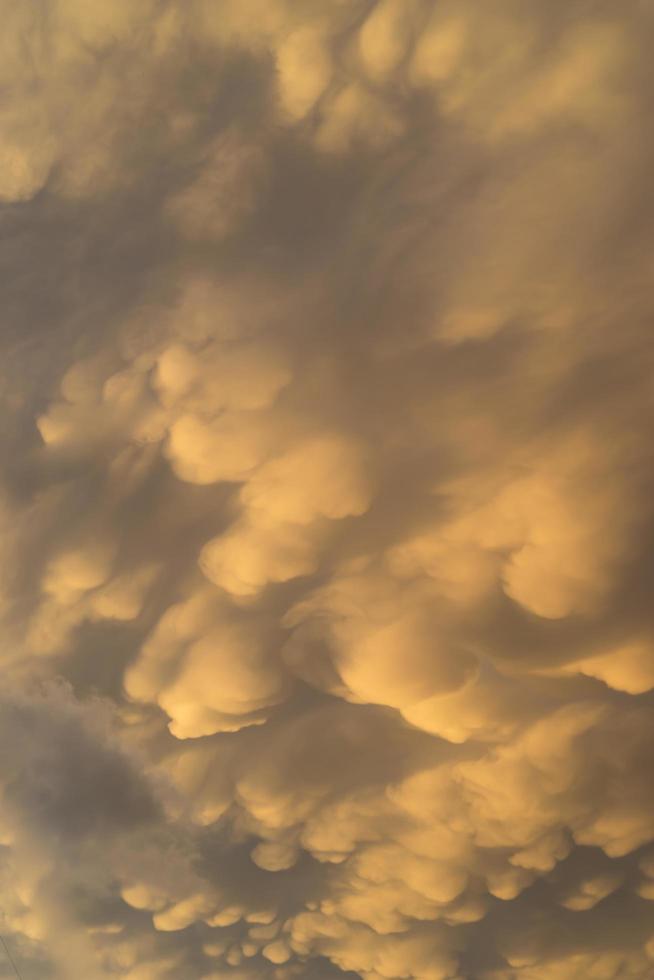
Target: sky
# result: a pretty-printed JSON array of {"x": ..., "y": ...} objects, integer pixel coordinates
[{"x": 326, "y": 490}]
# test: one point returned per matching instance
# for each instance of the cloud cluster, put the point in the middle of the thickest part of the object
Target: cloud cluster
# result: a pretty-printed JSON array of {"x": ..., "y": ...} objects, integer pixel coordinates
[{"x": 326, "y": 490}]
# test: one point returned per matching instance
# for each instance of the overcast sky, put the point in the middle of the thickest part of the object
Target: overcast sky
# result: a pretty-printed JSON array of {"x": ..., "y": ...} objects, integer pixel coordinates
[{"x": 327, "y": 489}]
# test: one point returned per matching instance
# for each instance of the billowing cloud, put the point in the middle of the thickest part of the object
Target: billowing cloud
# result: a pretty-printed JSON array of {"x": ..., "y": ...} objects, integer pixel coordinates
[{"x": 326, "y": 490}]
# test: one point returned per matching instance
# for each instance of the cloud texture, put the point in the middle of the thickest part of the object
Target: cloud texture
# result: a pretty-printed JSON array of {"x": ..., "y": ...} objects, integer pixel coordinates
[{"x": 326, "y": 493}]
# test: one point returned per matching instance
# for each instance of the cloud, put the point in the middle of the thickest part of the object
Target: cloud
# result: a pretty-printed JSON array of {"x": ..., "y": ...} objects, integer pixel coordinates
[
  {"x": 209, "y": 671},
  {"x": 325, "y": 497}
]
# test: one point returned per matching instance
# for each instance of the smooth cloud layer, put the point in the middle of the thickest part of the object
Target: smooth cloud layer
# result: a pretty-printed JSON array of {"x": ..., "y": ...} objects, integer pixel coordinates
[{"x": 326, "y": 499}]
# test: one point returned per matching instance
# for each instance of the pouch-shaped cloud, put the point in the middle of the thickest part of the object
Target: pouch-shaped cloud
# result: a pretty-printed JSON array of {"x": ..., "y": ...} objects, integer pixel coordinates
[
  {"x": 385, "y": 646},
  {"x": 207, "y": 670},
  {"x": 326, "y": 490},
  {"x": 284, "y": 501}
]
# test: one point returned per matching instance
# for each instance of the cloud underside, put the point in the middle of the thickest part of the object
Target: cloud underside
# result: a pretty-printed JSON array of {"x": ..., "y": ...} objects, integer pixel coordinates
[{"x": 326, "y": 490}]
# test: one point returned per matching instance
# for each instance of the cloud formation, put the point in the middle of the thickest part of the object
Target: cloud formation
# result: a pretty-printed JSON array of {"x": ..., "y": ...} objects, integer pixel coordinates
[{"x": 326, "y": 490}]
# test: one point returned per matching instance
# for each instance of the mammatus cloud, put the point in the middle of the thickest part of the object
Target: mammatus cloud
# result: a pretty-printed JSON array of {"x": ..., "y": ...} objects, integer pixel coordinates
[{"x": 326, "y": 501}]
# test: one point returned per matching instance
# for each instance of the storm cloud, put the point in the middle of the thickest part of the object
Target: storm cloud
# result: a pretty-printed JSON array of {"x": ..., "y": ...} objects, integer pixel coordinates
[{"x": 326, "y": 496}]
